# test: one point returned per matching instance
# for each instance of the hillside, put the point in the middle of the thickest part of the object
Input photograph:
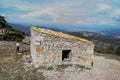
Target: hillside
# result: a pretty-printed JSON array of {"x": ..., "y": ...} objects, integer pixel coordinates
[
  {"x": 105, "y": 36},
  {"x": 97, "y": 37},
  {"x": 8, "y": 33},
  {"x": 115, "y": 33},
  {"x": 20, "y": 67},
  {"x": 103, "y": 43},
  {"x": 103, "y": 40},
  {"x": 26, "y": 28}
]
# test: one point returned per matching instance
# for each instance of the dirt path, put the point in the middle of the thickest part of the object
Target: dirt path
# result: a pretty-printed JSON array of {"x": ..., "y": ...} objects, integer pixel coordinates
[
  {"x": 109, "y": 69},
  {"x": 104, "y": 69}
]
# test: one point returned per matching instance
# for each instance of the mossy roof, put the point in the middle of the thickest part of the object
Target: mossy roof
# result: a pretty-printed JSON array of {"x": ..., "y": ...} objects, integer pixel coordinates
[{"x": 60, "y": 34}]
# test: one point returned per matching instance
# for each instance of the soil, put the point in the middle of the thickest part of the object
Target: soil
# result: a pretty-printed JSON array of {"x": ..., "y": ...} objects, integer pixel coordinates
[{"x": 103, "y": 69}]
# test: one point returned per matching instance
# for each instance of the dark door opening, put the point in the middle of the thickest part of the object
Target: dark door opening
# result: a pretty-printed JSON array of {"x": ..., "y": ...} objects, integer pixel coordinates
[{"x": 66, "y": 55}]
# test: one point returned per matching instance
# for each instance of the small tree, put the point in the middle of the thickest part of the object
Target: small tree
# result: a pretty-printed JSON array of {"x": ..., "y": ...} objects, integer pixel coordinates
[
  {"x": 2, "y": 22},
  {"x": 111, "y": 49},
  {"x": 118, "y": 50}
]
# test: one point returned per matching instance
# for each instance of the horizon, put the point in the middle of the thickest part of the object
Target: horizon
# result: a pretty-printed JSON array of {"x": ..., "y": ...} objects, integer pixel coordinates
[{"x": 65, "y": 14}]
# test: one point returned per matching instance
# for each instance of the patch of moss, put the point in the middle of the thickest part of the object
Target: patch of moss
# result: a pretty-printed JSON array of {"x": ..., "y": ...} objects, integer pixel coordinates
[{"x": 63, "y": 66}]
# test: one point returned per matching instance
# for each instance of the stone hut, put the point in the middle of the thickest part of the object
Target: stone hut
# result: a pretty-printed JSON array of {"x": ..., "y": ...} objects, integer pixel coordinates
[{"x": 55, "y": 48}]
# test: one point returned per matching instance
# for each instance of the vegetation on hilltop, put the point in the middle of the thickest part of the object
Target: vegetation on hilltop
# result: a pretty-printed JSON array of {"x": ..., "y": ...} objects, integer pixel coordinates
[
  {"x": 111, "y": 49},
  {"x": 10, "y": 34},
  {"x": 96, "y": 37},
  {"x": 103, "y": 44}
]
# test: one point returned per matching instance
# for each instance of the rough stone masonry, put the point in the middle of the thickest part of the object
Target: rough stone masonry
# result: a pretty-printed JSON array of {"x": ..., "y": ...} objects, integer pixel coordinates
[{"x": 50, "y": 48}]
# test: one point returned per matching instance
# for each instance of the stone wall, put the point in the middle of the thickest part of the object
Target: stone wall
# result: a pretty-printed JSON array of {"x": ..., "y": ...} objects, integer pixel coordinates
[{"x": 47, "y": 50}]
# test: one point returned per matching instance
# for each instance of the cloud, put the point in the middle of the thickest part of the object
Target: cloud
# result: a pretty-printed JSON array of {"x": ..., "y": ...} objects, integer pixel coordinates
[
  {"x": 80, "y": 22},
  {"x": 105, "y": 22},
  {"x": 2, "y": 14},
  {"x": 116, "y": 15},
  {"x": 45, "y": 14},
  {"x": 60, "y": 11},
  {"x": 63, "y": 13},
  {"x": 39, "y": 13},
  {"x": 104, "y": 8}
]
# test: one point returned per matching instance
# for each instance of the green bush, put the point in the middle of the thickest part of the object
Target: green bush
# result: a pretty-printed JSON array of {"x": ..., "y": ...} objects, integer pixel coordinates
[
  {"x": 14, "y": 36},
  {"x": 10, "y": 33},
  {"x": 111, "y": 49},
  {"x": 118, "y": 50}
]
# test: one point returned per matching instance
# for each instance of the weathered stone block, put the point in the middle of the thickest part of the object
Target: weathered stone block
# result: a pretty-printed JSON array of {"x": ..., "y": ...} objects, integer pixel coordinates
[
  {"x": 38, "y": 49},
  {"x": 58, "y": 54}
]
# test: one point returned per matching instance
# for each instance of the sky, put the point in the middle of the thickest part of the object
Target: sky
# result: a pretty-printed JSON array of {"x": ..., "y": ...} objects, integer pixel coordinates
[{"x": 77, "y": 13}]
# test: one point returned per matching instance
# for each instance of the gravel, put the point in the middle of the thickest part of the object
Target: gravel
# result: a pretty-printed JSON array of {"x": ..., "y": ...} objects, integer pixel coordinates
[{"x": 103, "y": 69}]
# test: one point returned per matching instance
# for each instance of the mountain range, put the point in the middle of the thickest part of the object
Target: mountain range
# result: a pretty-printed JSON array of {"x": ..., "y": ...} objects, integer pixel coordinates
[{"x": 106, "y": 35}]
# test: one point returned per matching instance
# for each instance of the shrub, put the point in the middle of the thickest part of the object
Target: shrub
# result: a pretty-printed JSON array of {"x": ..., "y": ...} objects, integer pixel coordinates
[{"x": 14, "y": 36}]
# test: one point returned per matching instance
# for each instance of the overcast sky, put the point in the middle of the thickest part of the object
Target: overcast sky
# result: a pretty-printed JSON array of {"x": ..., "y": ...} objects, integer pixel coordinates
[{"x": 68, "y": 12}]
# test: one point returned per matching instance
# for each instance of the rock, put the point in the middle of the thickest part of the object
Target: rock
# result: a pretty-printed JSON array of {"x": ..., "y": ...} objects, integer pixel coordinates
[{"x": 19, "y": 53}]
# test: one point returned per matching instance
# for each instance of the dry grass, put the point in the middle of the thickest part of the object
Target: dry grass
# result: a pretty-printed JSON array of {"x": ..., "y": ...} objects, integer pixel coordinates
[
  {"x": 13, "y": 67},
  {"x": 109, "y": 56}
]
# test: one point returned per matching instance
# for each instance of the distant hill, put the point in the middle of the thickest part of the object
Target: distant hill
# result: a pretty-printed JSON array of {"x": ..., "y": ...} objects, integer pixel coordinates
[
  {"x": 26, "y": 28},
  {"x": 115, "y": 33},
  {"x": 105, "y": 36},
  {"x": 96, "y": 37}
]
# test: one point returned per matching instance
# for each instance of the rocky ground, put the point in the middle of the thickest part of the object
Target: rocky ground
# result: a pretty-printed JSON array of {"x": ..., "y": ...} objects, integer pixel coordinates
[
  {"x": 104, "y": 69},
  {"x": 9, "y": 47},
  {"x": 20, "y": 67}
]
